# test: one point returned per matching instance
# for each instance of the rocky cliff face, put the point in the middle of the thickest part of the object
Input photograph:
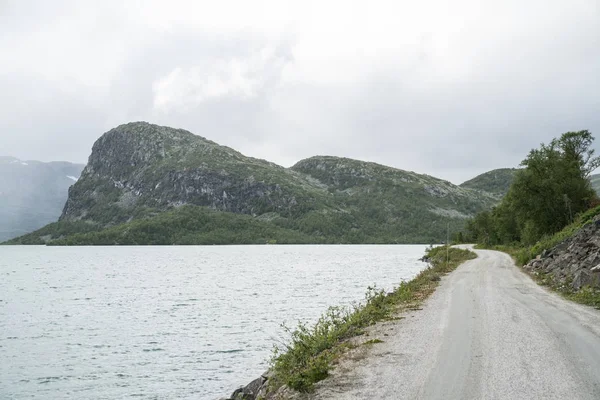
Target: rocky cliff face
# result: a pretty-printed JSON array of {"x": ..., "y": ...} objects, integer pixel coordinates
[
  {"x": 139, "y": 165},
  {"x": 574, "y": 263},
  {"x": 138, "y": 170}
]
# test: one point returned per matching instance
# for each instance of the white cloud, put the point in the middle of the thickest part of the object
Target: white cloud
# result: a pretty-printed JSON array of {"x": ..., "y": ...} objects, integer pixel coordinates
[
  {"x": 214, "y": 78},
  {"x": 419, "y": 85}
]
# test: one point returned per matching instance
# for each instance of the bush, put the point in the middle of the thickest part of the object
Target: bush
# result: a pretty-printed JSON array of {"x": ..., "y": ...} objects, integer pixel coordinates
[{"x": 309, "y": 355}]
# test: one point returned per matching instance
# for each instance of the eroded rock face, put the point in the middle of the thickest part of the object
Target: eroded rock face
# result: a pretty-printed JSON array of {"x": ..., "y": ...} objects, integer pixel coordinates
[
  {"x": 139, "y": 169},
  {"x": 575, "y": 261},
  {"x": 144, "y": 165}
]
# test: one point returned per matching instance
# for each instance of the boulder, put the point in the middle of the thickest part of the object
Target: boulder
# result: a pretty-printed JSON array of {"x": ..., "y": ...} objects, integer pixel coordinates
[
  {"x": 546, "y": 254},
  {"x": 250, "y": 391},
  {"x": 584, "y": 278},
  {"x": 257, "y": 389}
]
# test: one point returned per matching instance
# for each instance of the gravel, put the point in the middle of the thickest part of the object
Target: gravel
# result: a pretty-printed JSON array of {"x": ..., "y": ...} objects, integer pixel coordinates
[{"x": 488, "y": 332}]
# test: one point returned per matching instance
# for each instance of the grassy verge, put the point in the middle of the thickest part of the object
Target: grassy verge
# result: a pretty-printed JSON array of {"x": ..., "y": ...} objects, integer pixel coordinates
[
  {"x": 587, "y": 295},
  {"x": 523, "y": 254},
  {"x": 312, "y": 350},
  {"x": 526, "y": 253}
]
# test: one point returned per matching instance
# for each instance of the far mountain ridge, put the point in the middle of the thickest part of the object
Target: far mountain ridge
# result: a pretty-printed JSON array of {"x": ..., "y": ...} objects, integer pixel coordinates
[
  {"x": 139, "y": 170},
  {"x": 32, "y": 193}
]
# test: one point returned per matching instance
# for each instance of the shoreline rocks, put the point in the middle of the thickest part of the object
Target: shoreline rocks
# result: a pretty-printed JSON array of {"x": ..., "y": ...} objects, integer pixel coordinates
[{"x": 257, "y": 389}]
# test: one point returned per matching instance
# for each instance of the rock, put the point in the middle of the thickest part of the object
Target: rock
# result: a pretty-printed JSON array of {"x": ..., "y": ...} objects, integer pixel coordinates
[
  {"x": 268, "y": 374},
  {"x": 575, "y": 261},
  {"x": 581, "y": 278},
  {"x": 250, "y": 391},
  {"x": 140, "y": 169},
  {"x": 535, "y": 264},
  {"x": 545, "y": 254}
]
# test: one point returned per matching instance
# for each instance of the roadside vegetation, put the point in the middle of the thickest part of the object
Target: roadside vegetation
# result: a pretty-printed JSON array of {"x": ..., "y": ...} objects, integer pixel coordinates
[
  {"x": 312, "y": 351},
  {"x": 550, "y": 199}
]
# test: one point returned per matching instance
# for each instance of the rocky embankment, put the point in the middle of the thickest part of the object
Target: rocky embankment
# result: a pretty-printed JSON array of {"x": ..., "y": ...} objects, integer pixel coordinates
[
  {"x": 258, "y": 390},
  {"x": 574, "y": 263}
]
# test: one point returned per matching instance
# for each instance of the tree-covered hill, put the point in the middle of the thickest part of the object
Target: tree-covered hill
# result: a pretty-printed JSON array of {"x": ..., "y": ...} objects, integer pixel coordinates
[
  {"x": 497, "y": 181},
  {"x": 547, "y": 194},
  {"x": 139, "y": 173}
]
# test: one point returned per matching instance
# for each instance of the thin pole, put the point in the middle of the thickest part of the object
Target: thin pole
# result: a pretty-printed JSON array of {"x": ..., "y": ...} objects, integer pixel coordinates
[{"x": 448, "y": 244}]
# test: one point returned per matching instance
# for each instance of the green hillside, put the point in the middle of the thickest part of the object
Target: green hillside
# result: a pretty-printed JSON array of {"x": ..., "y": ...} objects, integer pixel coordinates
[
  {"x": 496, "y": 181},
  {"x": 139, "y": 176}
]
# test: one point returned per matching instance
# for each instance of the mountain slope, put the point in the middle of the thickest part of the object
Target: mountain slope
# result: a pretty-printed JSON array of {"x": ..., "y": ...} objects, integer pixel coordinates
[
  {"x": 393, "y": 204},
  {"x": 595, "y": 180},
  {"x": 32, "y": 193},
  {"x": 139, "y": 171},
  {"x": 140, "y": 168},
  {"x": 496, "y": 181}
]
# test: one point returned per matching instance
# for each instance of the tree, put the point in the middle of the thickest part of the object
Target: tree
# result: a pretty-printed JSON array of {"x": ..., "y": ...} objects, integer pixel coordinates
[
  {"x": 545, "y": 195},
  {"x": 576, "y": 148},
  {"x": 554, "y": 184}
]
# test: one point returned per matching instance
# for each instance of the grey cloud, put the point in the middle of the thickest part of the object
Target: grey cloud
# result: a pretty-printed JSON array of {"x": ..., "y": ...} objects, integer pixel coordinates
[{"x": 521, "y": 91}]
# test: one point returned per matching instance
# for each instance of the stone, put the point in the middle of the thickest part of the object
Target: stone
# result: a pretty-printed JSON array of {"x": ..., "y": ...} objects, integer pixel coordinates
[
  {"x": 140, "y": 168},
  {"x": 574, "y": 262},
  {"x": 250, "y": 391},
  {"x": 545, "y": 253},
  {"x": 581, "y": 278}
]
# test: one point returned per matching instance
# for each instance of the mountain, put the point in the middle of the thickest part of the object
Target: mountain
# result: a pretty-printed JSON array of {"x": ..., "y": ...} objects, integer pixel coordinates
[
  {"x": 595, "y": 179},
  {"x": 496, "y": 181},
  {"x": 149, "y": 184},
  {"x": 32, "y": 193}
]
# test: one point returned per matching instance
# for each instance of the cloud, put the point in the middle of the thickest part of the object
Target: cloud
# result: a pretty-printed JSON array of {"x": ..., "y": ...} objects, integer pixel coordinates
[
  {"x": 446, "y": 88},
  {"x": 217, "y": 78}
]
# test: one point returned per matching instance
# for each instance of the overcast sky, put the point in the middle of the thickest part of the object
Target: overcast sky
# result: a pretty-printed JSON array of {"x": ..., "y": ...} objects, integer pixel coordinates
[{"x": 448, "y": 88}]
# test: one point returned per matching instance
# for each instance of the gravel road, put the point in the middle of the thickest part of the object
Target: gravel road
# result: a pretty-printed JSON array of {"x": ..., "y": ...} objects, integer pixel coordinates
[{"x": 488, "y": 332}]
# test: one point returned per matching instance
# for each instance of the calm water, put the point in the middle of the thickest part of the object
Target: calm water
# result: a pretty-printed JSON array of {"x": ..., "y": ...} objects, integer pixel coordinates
[{"x": 168, "y": 322}]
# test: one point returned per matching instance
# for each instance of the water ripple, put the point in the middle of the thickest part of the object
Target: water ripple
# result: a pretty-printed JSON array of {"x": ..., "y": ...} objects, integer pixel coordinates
[{"x": 168, "y": 322}]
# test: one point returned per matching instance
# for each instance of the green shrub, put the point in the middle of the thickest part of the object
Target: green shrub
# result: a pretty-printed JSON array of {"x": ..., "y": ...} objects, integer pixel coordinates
[{"x": 308, "y": 356}]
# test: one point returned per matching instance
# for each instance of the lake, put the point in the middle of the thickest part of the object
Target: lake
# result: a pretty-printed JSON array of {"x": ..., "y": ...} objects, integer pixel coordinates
[{"x": 168, "y": 322}]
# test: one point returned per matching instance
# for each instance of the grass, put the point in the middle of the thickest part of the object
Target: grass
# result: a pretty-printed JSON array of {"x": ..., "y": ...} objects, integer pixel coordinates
[
  {"x": 523, "y": 254},
  {"x": 313, "y": 350},
  {"x": 588, "y": 296},
  {"x": 373, "y": 341}
]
